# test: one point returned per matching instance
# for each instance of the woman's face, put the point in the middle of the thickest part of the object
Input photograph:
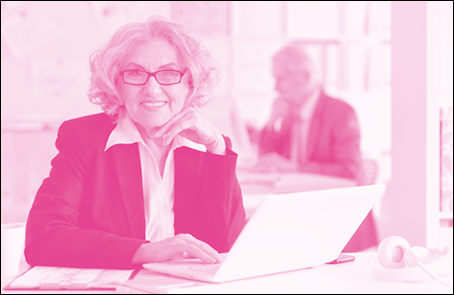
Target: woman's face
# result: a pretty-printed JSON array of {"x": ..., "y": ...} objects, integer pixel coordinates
[{"x": 152, "y": 105}]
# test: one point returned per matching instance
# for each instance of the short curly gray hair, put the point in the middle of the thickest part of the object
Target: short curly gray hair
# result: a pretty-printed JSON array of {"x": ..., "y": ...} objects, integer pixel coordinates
[
  {"x": 105, "y": 63},
  {"x": 296, "y": 58}
]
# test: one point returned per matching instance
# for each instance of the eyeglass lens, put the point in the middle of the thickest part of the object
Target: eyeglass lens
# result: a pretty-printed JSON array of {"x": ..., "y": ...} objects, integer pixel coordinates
[{"x": 162, "y": 77}]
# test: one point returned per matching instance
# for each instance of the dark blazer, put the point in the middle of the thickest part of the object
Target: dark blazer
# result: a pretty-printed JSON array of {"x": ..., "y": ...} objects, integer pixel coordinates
[
  {"x": 333, "y": 140},
  {"x": 89, "y": 212}
]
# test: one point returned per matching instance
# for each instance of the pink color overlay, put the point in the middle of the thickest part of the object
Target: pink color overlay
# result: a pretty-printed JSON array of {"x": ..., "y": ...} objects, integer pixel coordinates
[{"x": 310, "y": 97}]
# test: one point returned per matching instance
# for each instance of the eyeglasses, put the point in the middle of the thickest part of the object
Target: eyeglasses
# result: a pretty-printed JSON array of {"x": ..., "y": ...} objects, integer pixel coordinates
[{"x": 163, "y": 77}]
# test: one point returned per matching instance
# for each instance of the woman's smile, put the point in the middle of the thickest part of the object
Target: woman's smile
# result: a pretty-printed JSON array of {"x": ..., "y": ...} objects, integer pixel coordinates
[{"x": 153, "y": 106}]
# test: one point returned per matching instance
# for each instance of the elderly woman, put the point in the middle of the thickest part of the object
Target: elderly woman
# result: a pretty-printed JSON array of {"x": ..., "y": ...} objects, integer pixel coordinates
[{"x": 149, "y": 179}]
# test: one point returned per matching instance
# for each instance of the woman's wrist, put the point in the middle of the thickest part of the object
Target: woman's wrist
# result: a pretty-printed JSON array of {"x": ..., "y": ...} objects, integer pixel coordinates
[{"x": 142, "y": 254}]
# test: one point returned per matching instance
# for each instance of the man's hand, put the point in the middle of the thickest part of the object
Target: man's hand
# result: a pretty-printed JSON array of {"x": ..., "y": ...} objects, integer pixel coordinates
[
  {"x": 274, "y": 162},
  {"x": 281, "y": 108},
  {"x": 177, "y": 247}
]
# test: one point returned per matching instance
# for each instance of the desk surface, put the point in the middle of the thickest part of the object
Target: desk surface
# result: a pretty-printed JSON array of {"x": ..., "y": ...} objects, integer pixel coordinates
[
  {"x": 260, "y": 183},
  {"x": 352, "y": 277}
]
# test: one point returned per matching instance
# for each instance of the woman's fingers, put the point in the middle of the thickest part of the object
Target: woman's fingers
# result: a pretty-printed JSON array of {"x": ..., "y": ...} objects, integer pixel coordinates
[
  {"x": 186, "y": 122},
  {"x": 183, "y": 246},
  {"x": 201, "y": 245},
  {"x": 195, "y": 251},
  {"x": 165, "y": 128},
  {"x": 190, "y": 124}
]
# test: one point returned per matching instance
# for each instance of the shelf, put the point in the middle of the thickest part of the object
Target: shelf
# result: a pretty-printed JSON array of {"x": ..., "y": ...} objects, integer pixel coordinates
[
  {"x": 446, "y": 215},
  {"x": 367, "y": 40},
  {"x": 30, "y": 125}
]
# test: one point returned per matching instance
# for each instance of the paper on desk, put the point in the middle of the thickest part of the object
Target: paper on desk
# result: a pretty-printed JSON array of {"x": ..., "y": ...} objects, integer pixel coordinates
[
  {"x": 154, "y": 282},
  {"x": 45, "y": 277}
]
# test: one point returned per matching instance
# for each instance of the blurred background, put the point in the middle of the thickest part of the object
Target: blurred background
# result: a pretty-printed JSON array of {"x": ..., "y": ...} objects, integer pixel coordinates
[{"x": 357, "y": 47}]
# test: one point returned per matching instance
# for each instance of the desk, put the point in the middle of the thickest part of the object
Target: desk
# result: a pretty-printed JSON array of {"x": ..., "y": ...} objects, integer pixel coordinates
[
  {"x": 353, "y": 277},
  {"x": 255, "y": 186}
]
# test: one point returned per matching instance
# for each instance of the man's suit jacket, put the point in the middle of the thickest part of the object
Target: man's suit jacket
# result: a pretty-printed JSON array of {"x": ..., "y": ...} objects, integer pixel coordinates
[
  {"x": 89, "y": 212},
  {"x": 333, "y": 146}
]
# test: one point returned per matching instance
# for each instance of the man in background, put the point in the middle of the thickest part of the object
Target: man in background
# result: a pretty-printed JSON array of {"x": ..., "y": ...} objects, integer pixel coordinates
[{"x": 308, "y": 131}]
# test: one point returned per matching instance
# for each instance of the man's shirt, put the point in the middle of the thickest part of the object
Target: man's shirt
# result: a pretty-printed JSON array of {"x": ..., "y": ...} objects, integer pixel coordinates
[{"x": 300, "y": 132}]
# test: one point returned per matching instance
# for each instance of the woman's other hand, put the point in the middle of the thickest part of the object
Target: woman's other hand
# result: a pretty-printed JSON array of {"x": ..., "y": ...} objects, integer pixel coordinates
[
  {"x": 191, "y": 124},
  {"x": 177, "y": 247}
]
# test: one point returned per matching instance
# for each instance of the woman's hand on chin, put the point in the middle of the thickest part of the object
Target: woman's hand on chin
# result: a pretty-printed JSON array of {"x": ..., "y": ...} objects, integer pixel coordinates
[{"x": 189, "y": 123}]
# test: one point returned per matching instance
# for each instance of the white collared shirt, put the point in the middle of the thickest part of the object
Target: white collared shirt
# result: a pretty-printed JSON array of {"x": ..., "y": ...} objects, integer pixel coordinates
[
  {"x": 300, "y": 134},
  {"x": 158, "y": 192}
]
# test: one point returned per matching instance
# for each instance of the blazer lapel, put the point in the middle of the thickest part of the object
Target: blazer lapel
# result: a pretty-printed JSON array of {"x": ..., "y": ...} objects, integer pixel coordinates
[{"x": 127, "y": 163}]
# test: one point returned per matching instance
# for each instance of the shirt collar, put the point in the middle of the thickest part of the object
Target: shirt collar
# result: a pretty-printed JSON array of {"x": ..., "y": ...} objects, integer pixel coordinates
[{"x": 126, "y": 133}]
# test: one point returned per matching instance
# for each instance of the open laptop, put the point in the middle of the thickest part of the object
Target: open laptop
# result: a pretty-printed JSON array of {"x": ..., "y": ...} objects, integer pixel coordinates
[{"x": 286, "y": 232}]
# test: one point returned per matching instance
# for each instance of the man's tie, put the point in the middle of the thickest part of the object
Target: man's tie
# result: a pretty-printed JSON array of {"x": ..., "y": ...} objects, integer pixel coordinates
[{"x": 299, "y": 138}]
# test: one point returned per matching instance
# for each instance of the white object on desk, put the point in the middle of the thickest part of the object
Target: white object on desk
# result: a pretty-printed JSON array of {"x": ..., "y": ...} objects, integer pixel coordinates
[
  {"x": 410, "y": 273},
  {"x": 397, "y": 261},
  {"x": 13, "y": 244}
]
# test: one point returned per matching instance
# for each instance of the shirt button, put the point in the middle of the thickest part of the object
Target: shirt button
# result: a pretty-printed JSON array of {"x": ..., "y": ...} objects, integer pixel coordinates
[{"x": 164, "y": 209}]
